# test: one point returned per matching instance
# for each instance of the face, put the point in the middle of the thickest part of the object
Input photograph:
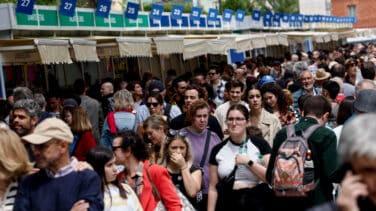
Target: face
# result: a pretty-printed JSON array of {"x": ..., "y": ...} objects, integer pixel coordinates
[
  {"x": 236, "y": 94},
  {"x": 22, "y": 123},
  {"x": 155, "y": 135},
  {"x": 47, "y": 155},
  {"x": 270, "y": 99},
  {"x": 138, "y": 90},
  {"x": 366, "y": 168},
  {"x": 119, "y": 154},
  {"x": 200, "y": 79},
  {"x": 254, "y": 99},
  {"x": 190, "y": 96},
  {"x": 177, "y": 146},
  {"x": 53, "y": 103},
  {"x": 68, "y": 117},
  {"x": 200, "y": 119},
  {"x": 239, "y": 73},
  {"x": 106, "y": 89},
  {"x": 212, "y": 74},
  {"x": 236, "y": 123},
  {"x": 181, "y": 87},
  {"x": 154, "y": 106},
  {"x": 307, "y": 80},
  {"x": 110, "y": 170}
]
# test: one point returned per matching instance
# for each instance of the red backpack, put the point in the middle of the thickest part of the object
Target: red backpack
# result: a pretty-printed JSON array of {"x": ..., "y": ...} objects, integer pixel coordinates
[{"x": 293, "y": 173}]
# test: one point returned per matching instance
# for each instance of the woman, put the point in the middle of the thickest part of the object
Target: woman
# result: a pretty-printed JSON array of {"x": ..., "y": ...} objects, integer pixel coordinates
[
  {"x": 154, "y": 102},
  {"x": 122, "y": 119},
  {"x": 137, "y": 93},
  {"x": 141, "y": 175},
  {"x": 267, "y": 122},
  {"x": 277, "y": 102},
  {"x": 80, "y": 125},
  {"x": 14, "y": 163},
  {"x": 155, "y": 127},
  {"x": 202, "y": 141},
  {"x": 117, "y": 196},
  {"x": 177, "y": 157},
  {"x": 243, "y": 156}
]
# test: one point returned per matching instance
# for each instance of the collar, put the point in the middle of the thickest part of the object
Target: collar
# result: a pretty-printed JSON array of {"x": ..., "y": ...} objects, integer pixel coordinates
[
  {"x": 64, "y": 170},
  {"x": 309, "y": 120}
]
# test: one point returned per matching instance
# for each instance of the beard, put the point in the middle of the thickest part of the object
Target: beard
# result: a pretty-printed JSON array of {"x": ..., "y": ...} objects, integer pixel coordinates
[{"x": 308, "y": 86}]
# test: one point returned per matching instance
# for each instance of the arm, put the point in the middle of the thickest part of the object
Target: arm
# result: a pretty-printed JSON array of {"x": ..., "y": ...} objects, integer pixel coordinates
[
  {"x": 166, "y": 189},
  {"x": 22, "y": 202},
  {"x": 258, "y": 169},
  {"x": 105, "y": 137},
  {"x": 90, "y": 190},
  {"x": 212, "y": 194},
  {"x": 192, "y": 181}
]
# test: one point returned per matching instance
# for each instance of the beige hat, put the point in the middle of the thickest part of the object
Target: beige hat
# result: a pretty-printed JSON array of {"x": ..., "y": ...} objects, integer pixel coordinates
[
  {"x": 50, "y": 128},
  {"x": 321, "y": 74}
]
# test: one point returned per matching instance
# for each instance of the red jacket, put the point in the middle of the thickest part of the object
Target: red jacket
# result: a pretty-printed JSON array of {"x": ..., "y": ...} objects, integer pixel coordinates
[
  {"x": 165, "y": 188},
  {"x": 84, "y": 145}
]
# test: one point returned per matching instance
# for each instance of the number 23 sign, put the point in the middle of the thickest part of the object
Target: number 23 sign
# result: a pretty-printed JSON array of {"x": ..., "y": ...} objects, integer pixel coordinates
[
  {"x": 67, "y": 7},
  {"x": 25, "y": 6}
]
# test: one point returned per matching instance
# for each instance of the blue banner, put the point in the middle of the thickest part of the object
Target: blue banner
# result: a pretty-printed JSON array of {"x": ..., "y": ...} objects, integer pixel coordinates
[
  {"x": 227, "y": 15},
  {"x": 200, "y": 23},
  {"x": 176, "y": 12},
  {"x": 25, "y": 6},
  {"x": 306, "y": 19},
  {"x": 195, "y": 13},
  {"x": 236, "y": 57},
  {"x": 156, "y": 12},
  {"x": 103, "y": 8},
  {"x": 212, "y": 14},
  {"x": 183, "y": 22},
  {"x": 67, "y": 7},
  {"x": 268, "y": 15},
  {"x": 163, "y": 22},
  {"x": 256, "y": 15},
  {"x": 277, "y": 17},
  {"x": 286, "y": 18},
  {"x": 132, "y": 10},
  {"x": 240, "y": 15},
  {"x": 216, "y": 23}
]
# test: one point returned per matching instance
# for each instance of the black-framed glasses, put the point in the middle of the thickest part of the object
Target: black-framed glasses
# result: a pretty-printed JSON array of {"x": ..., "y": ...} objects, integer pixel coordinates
[
  {"x": 236, "y": 119},
  {"x": 115, "y": 147},
  {"x": 172, "y": 133},
  {"x": 152, "y": 104}
]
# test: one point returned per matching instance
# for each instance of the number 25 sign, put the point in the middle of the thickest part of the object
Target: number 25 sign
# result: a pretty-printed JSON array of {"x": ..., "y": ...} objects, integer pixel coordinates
[{"x": 25, "y": 6}]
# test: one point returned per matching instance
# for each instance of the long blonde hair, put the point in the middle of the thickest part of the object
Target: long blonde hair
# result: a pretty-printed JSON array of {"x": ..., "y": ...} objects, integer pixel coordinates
[
  {"x": 14, "y": 160},
  {"x": 165, "y": 154}
]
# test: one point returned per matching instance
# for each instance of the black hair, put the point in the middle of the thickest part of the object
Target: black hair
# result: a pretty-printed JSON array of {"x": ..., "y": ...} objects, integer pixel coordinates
[
  {"x": 345, "y": 110},
  {"x": 276, "y": 90},
  {"x": 157, "y": 96},
  {"x": 338, "y": 70},
  {"x": 236, "y": 83},
  {"x": 332, "y": 88},
  {"x": 368, "y": 70},
  {"x": 316, "y": 106},
  {"x": 97, "y": 158},
  {"x": 198, "y": 88},
  {"x": 79, "y": 86},
  {"x": 241, "y": 108},
  {"x": 131, "y": 141}
]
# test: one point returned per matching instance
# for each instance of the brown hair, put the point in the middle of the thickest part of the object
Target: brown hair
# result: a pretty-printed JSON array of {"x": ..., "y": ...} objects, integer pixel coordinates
[
  {"x": 80, "y": 120},
  {"x": 155, "y": 122},
  {"x": 199, "y": 104}
]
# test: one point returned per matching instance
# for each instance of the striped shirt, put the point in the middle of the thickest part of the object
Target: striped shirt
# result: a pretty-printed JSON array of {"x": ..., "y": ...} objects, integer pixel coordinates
[{"x": 10, "y": 196}]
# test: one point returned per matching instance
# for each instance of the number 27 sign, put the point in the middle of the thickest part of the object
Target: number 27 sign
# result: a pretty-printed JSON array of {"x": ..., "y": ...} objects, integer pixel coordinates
[
  {"x": 25, "y": 6},
  {"x": 67, "y": 7}
]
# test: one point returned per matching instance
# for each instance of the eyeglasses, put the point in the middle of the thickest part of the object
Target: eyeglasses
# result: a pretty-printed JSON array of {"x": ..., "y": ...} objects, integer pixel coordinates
[
  {"x": 114, "y": 148},
  {"x": 152, "y": 104},
  {"x": 172, "y": 133},
  {"x": 211, "y": 73},
  {"x": 236, "y": 119}
]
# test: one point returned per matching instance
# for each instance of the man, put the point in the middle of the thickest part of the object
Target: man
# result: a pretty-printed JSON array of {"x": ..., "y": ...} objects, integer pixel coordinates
[
  {"x": 107, "y": 101},
  {"x": 57, "y": 186},
  {"x": 364, "y": 84},
  {"x": 142, "y": 112},
  {"x": 323, "y": 145},
  {"x": 91, "y": 105},
  {"x": 54, "y": 106},
  {"x": 192, "y": 94},
  {"x": 39, "y": 98},
  {"x": 236, "y": 93},
  {"x": 25, "y": 116},
  {"x": 357, "y": 154},
  {"x": 214, "y": 75},
  {"x": 179, "y": 85},
  {"x": 330, "y": 91},
  {"x": 368, "y": 70},
  {"x": 307, "y": 81}
]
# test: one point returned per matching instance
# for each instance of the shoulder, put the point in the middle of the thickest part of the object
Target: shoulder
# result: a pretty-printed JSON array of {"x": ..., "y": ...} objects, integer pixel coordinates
[
  {"x": 215, "y": 151},
  {"x": 214, "y": 136},
  {"x": 261, "y": 144}
]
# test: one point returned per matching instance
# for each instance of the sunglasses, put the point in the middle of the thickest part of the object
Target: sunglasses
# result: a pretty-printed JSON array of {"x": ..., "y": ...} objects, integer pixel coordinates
[
  {"x": 211, "y": 73},
  {"x": 173, "y": 133},
  {"x": 152, "y": 104},
  {"x": 115, "y": 147}
]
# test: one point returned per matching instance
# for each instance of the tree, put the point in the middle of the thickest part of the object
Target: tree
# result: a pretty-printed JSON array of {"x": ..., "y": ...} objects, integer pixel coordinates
[
  {"x": 238, "y": 4},
  {"x": 282, "y": 6}
]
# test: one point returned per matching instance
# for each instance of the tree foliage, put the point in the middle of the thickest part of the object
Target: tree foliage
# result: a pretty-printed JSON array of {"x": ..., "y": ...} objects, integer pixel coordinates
[
  {"x": 282, "y": 6},
  {"x": 238, "y": 4}
]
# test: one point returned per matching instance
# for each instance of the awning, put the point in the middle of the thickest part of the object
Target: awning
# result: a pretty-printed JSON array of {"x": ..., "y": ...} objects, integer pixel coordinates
[
  {"x": 221, "y": 45},
  {"x": 361, "y": 39},
  {"x": 243, "y": 43},
  {"x": 134, "y": 46},
  {"x": 194, "y": 48},
  {"x": 84, "y": 50},
  {"x": 107, "y": 47},
  {"x": 53, "y": 51},
  {"x": 271, "y": 40},
  {"x": 169, "y": 45},
  {"x": 258, "y": 42}
]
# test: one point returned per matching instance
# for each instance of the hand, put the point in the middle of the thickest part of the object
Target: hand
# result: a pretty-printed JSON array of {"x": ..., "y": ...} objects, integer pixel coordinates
[
  {"x": 351, "y": 189},
  {"x": 82, "y": 165},
  {"x": 80, "y": 205},
  {"x": 242, "y": 159},
  {"x": 178, "y": 160}
]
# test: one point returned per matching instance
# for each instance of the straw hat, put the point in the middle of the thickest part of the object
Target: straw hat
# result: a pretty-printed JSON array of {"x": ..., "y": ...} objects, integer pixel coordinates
[{"x": 321, "y": 74}]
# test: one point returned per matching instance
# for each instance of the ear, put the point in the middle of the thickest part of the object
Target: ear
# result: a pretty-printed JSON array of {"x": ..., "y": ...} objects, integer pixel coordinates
[
  {"x": 64, "y": 146},
  {"x": 34, "y": 120}
]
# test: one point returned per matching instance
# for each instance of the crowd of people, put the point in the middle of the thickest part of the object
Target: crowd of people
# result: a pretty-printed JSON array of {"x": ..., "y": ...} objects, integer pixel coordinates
[{"x": 215, "y": 138}]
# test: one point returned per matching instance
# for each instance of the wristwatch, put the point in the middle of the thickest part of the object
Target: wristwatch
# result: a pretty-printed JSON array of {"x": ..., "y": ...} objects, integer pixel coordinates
[{"x": 250, "y": 163}]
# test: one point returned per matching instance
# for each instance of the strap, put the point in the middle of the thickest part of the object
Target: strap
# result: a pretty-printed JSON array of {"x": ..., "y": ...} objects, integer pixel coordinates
[
  {"x": 308, "y": 132},
  {"x": 290, "y": 130},
  {"x": 153, "y": 187},
  {"x": 206, "y": 149},
  {"x": 111, "y": 122},
  {"x": 167, "y": 111}
]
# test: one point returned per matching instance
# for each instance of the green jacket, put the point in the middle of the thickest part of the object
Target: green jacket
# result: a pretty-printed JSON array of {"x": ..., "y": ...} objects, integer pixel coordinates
[{"x": 323, "y": 144}]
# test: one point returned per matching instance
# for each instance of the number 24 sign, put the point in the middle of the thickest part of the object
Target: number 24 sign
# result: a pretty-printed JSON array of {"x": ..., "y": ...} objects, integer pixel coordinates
[{"x": 25, "y": 6}]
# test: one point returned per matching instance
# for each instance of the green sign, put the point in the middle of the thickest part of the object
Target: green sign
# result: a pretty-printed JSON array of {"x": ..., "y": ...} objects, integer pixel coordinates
[
  {"x": 80, "y": 19},
  {"x": 46, "y": 18},
  {"x": 115, "y": 21},
  {"x": 142, "y": 21}
]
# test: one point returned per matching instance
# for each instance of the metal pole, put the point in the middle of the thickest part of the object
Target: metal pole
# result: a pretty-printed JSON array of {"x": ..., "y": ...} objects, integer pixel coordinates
[{"x": 2, "y": 83}]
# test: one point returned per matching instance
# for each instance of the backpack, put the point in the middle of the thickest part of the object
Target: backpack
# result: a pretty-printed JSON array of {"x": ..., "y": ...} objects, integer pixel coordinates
[
  {"x": 293, "y": 173},
  {"x": 167, "y": 111}
]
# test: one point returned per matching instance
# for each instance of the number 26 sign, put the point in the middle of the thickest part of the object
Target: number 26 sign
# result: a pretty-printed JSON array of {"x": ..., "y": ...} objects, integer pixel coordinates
[
  {"x": 25, "y": 6},
  {"x": 67, "y": 7},
  {"x": 103, "y": 8}
]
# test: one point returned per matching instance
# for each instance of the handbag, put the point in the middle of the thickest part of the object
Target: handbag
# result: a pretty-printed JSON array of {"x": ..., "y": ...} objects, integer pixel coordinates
[
  {"x": 225, "y": 185},
  {"x": 186, "y": 205}
]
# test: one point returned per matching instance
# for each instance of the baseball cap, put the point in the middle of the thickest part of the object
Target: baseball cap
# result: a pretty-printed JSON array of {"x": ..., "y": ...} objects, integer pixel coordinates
[
  {"x": 50, "y": 128},
  {"x": 156, "y": 84},
  {"x": 70, "y": 102},
  {"x": 266, "y": 79},
  {"x": 365, "y": 101}
]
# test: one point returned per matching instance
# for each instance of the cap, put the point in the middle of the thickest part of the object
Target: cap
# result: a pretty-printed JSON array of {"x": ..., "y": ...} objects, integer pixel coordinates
[
  {"x": 70, "y": 102},
  {"x": 365, "y": 101},
  {"x": 266, "y": 79},
  {"x": 50, "y": 128},
  {"x": 321, "y": 74},
  {"x": 156, "y": 84}
]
